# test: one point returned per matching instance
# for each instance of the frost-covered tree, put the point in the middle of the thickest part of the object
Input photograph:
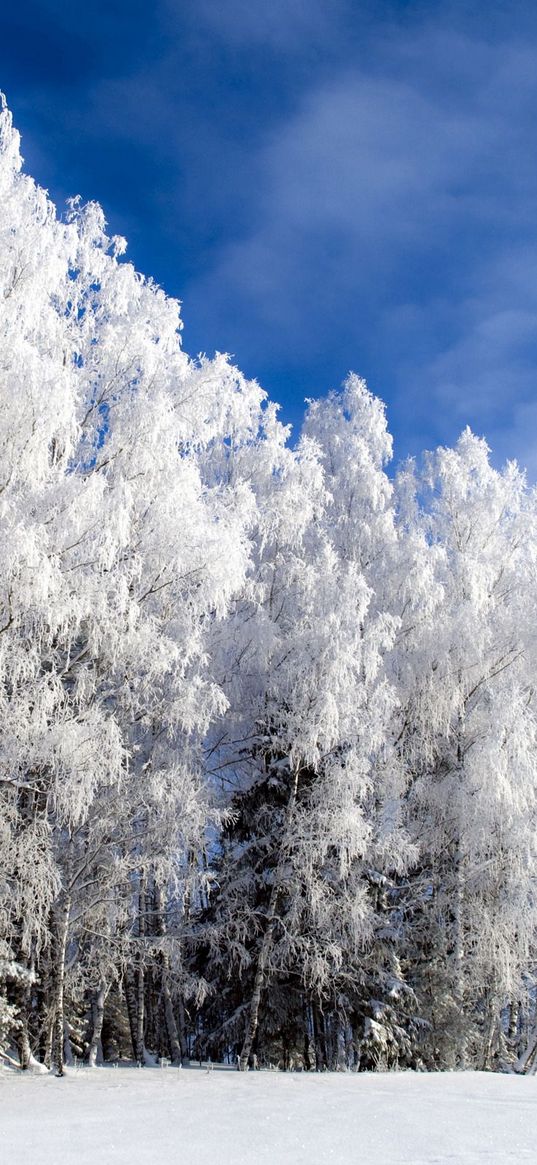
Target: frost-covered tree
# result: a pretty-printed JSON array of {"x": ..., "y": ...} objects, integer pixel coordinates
[
  {"x": 117, "y": 556},
  {"x": 269, "y": 739},
  {"x": 304, "y": 742},
  {"x": 350, "y": 428},
  {"x": 467, "y": 733}
]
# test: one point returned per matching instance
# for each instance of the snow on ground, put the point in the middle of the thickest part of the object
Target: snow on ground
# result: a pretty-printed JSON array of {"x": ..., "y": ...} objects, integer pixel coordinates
[{"x": 144, "y": 1117}]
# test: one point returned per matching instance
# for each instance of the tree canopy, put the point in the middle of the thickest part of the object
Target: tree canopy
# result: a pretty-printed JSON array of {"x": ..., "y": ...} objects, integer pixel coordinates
[{"x": 268, "y": 714}]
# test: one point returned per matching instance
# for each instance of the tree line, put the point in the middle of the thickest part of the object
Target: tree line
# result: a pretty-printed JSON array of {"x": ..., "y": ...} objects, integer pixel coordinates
[{"x": 268, "y": 765}]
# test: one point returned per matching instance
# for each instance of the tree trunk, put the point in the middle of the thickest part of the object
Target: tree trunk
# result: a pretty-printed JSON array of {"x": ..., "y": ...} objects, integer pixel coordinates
[
  {"x": 181, "y": 1029},
  {"x": 48, "y": 1037},
  {"x": 307, "y": 1041},
  {"x": 139, "y": 1053},
  {"x": 525, "y": 1061},
  {"x": 23, "y": 1036},
  {"x": 61, "y": 928},
  {"x": 259, "y": 980},
  {"x": 23, "y": 1043},
  {"x": 67, "y": 1047},
  {"x": 130, "y": 999},
  {"x": 513, "y": 1029},
  {"x": 177, "y": 1050},
  {"x": 490, "y": 1042},
  {"x": 95, "y": 1055},
  {"x": 169, "y": 1019},
  {"x": 459, "y": 907},
  {"x": 319, "y": 1038}
]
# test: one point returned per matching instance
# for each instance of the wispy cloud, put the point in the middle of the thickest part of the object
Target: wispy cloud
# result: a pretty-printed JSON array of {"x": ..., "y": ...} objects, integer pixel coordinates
[
  {"x": 286, "y": 25},
  {"x": 326, "y": 184},
  {"x": 396, "y": 225}
]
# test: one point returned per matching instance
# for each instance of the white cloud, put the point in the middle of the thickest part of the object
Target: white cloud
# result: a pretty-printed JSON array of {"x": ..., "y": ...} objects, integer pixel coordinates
[
  {"x": 398, "y": 206},
  {"x": 278, "y": 24}
]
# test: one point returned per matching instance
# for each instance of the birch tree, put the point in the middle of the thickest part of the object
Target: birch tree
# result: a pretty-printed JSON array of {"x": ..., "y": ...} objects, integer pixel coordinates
[{"x": 468, "y": 736}]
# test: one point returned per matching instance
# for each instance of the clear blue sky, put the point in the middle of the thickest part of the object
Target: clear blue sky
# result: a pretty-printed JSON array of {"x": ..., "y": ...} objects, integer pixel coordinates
[{"x": 326, "y": 184}]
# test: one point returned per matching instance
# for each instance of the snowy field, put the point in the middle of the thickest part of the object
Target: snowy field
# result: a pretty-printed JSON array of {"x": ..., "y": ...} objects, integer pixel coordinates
[{"x": 131, "y": 1117}]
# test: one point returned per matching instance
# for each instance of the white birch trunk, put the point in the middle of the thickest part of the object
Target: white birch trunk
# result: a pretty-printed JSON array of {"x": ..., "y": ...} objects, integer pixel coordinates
[
  {"x": 60, "y": 945},
  {"x": 95, "y": 1055},
  {"x": 140, "y": 977}
]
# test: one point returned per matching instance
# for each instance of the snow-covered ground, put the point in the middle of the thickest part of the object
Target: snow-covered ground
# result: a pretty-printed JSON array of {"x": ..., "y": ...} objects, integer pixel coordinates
[{"x": 198, "y": 1117}]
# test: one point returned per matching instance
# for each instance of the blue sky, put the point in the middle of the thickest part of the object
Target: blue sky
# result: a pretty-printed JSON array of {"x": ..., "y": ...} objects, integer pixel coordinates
[{"x": 326, "y": 184}]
